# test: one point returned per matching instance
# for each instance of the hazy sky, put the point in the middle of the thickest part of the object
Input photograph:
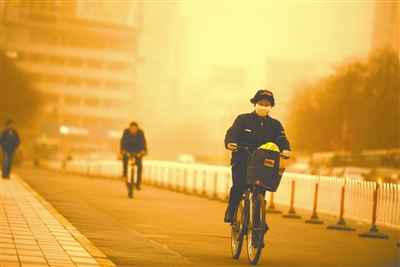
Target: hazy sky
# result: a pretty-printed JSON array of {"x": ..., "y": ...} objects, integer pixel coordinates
[
  {"x": 246, "y": 32},
  {"x": 194, "y": 49}
]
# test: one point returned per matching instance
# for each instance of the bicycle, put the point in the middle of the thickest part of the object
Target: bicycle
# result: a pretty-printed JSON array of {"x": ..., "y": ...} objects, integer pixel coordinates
[
  {"x": 250, "y": 217},
  {"x": 131, "y": 178}
]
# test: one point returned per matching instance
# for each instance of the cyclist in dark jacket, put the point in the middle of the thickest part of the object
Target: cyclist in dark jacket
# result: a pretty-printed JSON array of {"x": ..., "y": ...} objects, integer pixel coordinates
[
  {"x": 9, "y": 140},
  {"x": 133, "y": 141},
  {"x": 251, "y": 130}
]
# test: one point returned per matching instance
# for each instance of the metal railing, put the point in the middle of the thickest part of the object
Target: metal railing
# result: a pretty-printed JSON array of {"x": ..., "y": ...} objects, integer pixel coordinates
[{"x": 215, "y": 182}]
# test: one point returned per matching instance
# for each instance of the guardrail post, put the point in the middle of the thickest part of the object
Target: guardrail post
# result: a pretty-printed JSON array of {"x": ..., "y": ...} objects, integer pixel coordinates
[
  {"x": 271, "y": 207},
  {"x": 373, "y": 231},
  {"x": 215, "y": 191},
  {"x": 341, "y": 225},
  {"x": 156, "y": 174},
  {"x": 150, "y": 174},
  {"x": 314, "y": 219},
  {"x": 166, "y": 177},
  {"x": 193, "y": 183},
  {"x": 179, "y": 183},
  {"x": 169, "y": 178},
  {"x": 204, "y": 191},
  {"x": 172, "y": 178},
  {"x": 176, "y": 180},
  {"x": 292, "y": 212},
  {"x": 179, "y": 180},
  {"x": 185, "y": 181},
  {"x": 171, "y": 175},
  {"x": 160, "y": 175},
  {"x": 87, "y": 168}
]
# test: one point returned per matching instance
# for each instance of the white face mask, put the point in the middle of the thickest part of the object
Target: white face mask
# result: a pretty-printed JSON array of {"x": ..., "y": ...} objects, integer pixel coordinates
[{"x": 262, "y": 111}]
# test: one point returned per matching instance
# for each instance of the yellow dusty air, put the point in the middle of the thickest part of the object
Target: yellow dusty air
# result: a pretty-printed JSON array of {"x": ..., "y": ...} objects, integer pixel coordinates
[{"x": 269, "y": 146}]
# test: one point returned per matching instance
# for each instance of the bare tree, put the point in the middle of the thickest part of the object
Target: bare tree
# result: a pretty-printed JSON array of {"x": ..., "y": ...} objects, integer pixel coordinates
[{"x": 357, "y": 107}]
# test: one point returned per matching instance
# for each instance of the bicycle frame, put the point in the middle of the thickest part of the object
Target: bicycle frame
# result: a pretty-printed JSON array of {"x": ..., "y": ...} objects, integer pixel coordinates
[
  {"x": 130, "y": 179},
  {"x": 251, "y": 206},
  {"x": 255, "y": 196},
  {"x": 252, "y": 223},
  {"x": 255, "y": 225}
]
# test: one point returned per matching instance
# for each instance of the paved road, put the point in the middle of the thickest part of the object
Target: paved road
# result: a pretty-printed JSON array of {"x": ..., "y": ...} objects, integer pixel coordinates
[{"x": 162, "y": 228}]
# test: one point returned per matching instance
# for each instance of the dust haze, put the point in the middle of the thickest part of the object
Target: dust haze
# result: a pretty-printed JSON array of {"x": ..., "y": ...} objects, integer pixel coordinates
[{"x": 182, "y": 69}]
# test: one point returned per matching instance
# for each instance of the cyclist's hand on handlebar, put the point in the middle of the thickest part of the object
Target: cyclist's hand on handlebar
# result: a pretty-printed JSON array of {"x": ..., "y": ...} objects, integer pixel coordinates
[
  {"x": 142, "y": 154},
  {"x": 232, "y": 146},
  {"x": 285, "y": 154}
]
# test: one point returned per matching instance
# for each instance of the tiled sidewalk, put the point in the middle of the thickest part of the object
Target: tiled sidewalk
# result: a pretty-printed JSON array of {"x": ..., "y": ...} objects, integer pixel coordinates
[{"x": 34, "y": 234}]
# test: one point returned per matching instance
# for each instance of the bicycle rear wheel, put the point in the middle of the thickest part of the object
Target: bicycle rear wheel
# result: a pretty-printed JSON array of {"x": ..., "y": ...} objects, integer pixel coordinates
[
  {"x": 131, "y": 183},
  {"x": 237, "y": 232},
  {"x": 256, "y": 228}
]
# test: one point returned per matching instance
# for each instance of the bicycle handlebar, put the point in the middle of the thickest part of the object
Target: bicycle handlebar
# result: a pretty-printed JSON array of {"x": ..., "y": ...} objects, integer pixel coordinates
[
  {"x": 247, "y": 149},
  {"x": 131, "y": 154}
]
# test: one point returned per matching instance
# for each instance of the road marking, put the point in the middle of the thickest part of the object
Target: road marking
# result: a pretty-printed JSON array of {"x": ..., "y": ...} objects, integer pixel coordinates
[
  {"x": 157, "y": 236},
  {"x": 203, "y": 235}
]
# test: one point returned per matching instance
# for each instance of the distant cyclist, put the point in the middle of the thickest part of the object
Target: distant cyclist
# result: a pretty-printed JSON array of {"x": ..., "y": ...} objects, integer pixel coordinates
[
  {"x": 251, "y": 130},
  {"x": 133, "y": 141}
]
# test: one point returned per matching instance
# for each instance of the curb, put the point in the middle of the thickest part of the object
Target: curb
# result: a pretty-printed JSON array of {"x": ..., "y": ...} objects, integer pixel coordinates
[{"x": 99, "y": 256}]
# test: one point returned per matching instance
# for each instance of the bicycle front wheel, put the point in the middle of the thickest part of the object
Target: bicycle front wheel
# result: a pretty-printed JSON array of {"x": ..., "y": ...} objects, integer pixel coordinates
[
  {"x": 131, "y": 183},
  {"x": 256, "y": 228},
  {"x": 237, "y": 232}
]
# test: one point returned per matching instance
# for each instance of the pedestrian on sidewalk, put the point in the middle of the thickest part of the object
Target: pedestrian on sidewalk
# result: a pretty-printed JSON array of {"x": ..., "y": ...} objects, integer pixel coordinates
[
  {"x": 133, "y": 142},
  {"x": 9, "y": 142}
]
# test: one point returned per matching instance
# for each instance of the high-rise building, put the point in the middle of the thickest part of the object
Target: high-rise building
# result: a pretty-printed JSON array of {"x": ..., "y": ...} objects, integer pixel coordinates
[
  {"x": 81, "y": 57},
  {"x": 386, "y": 34}
]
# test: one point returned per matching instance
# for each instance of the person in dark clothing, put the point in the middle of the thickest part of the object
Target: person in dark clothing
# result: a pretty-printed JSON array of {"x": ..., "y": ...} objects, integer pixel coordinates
[
  {"x": 9, "y": 141},
  {"x": 251, "y": 130},
  {"x": 133, "y": 141}
]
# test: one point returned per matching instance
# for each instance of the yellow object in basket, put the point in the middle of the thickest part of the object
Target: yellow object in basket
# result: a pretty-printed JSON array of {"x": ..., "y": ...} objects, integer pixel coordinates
[{"x": 269, "y": 146}]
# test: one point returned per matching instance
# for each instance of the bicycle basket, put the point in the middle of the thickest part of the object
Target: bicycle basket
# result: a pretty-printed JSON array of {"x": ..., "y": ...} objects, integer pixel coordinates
[{"x": 263, "y": 165}]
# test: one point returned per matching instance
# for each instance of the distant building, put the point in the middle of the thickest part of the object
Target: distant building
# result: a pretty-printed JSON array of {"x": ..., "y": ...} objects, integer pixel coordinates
[
  {"x": 386, "y": 33},
  {"x": 81, "y": 57}
]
